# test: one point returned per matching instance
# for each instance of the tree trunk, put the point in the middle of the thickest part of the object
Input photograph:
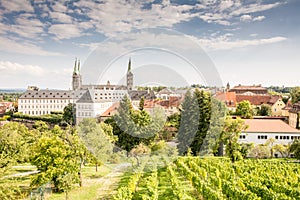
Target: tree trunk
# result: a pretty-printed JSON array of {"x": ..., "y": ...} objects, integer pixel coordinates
[
  {"x": 221, "y": 149},
  {"x": 79, "y": 173},
  {"x": 96, "y": 166}
]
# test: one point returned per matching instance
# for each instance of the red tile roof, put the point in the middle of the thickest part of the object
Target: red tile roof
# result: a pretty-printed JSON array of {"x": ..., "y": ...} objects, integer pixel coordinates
[
  {"x": 111, "y": 110},
  {"x": 269, "y": 126},
  {"x": 254, "y": 99},
  {"x": 229, "y": 98}
]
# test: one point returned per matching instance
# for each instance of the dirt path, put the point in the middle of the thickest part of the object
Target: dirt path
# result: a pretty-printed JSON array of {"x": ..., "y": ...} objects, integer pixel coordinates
[{"x": 109, "y": 183}]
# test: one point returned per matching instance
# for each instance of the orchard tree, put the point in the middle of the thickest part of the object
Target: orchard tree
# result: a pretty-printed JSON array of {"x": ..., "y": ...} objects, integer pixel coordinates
[
  {"x": 231, "y": 132},
  {"x": 54, "y": 159},
  {"x": 13, "y": 144},
  {"x": 58, "y": 153},
  {"x": 95, "y": 140},
  {"x": 244, "y": 109}
]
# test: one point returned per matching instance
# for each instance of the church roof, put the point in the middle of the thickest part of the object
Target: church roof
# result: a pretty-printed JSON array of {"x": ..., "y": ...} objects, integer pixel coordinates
[{"x": 47, "y": 94}]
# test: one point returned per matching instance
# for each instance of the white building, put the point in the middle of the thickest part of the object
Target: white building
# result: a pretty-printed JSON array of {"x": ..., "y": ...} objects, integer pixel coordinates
[
  {"x": 94, "y": 102},
  {"x": 260, "y": 130},
  {"x": 41, "y": 102}
]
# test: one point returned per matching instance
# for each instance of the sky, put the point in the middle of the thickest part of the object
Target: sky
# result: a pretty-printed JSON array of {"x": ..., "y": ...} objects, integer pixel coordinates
[{"x": 173, "y": 43}]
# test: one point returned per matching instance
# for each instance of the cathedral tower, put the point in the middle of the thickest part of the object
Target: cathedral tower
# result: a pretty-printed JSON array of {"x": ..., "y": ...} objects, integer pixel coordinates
[
  {"x": 129, "y": 77},
  {"x": 76, "y": 78}
]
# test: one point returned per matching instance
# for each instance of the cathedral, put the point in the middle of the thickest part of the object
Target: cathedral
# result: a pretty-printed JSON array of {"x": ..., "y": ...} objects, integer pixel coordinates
[
  {"x": 77, "y": 80},
  {"x": 90, "y": 100}
]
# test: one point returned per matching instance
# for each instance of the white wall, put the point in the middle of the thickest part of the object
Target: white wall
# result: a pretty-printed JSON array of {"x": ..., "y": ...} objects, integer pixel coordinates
[{"x": 281, "y": 138}]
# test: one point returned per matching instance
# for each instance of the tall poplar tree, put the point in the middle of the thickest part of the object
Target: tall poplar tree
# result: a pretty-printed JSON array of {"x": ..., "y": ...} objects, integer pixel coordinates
[
  {"x": 204, "y": 106},
  {"x": 189, "y": 119}
]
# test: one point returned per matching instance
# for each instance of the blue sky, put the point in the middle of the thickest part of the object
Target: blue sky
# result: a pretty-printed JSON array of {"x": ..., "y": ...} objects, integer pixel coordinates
[{"x": 247, "y": 42}]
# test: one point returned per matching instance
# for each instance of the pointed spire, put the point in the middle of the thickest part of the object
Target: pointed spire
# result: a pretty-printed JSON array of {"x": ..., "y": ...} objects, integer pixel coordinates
[
  {"x": 78, "y": 67},
  {"x": 129, "y": 65},
  {"x": 75, "y": 67}
]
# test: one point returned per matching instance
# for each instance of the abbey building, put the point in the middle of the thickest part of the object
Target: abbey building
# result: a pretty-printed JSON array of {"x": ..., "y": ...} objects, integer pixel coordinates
[{"x": 90, "y": 100}]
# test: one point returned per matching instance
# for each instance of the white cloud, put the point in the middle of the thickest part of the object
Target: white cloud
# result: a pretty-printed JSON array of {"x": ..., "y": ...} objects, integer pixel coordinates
[
  {"x": 65, "y": 31},
  {"x": 246, "y": 18},
  {"x": 11, "y": 69},
  {"x": 253, "y": 8},
  {"x": 226, "y": 42},
  {"x": 19, "y": 75},
  {"x": 259, "y": 18},
  {"x": 15, "y": 46},
  {"x": 16, "y": 5},
  {"x": 60, "y": 17},
  {"x": 249, "y": 18}
]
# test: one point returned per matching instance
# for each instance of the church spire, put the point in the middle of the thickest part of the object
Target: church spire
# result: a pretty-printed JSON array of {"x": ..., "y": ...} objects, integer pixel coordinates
[
  {"x": 78, "y": 67},
  {"x": 129, "y": 65},
  {"x": 75, "y": 67}
]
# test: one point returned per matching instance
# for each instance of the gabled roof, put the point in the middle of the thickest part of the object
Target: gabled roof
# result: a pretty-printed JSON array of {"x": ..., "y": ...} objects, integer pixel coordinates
[
  {"x": 254, "y": 99},
  {"x": 111, "y": 110},
  {"x": 248, "y": 87},
  {"x": 46, "y": 94},
  {"x": 138, "y": 94},
  {"x": 87, "y": 97},
  {"x": 295, "y": 108},
  {"x": 274, "y": 99},
  {"x": 269, "y": 126},
  {"x": 229, "y": 98},
  {"x": 166, "y": 91}
]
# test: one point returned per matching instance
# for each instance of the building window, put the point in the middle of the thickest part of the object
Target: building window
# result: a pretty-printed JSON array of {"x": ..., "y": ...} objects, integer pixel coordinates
[
  {"x": 276, "y": 137},
  {"x": 262, "y": 137},
  {"x": 242, "y": 136}
]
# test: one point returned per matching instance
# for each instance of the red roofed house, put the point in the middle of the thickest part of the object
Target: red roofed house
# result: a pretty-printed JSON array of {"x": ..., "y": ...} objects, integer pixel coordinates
[
  {"x": 229, "y": 98},
  {"x": 256, "y": 95},
  {"x": 248, "y": 90},
  {"x": 260, "y": 130}
]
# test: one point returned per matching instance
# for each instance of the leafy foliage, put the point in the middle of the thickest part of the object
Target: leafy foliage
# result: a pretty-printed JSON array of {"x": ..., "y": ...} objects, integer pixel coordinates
[
  {"x": 231, "y": 132},
  {"x": 295, "y": 94},
  {"x": 56, "y": 155},
  {"x": 244, "y": 109},
  {"x": 295, "y": 148},
  {"x": 69, "y": 114}
]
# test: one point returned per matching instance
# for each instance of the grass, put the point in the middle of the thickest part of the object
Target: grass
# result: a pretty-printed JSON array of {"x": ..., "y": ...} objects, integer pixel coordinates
[
  {"x": 88, "y": 191},
  {"x": 90, "y": 186}
]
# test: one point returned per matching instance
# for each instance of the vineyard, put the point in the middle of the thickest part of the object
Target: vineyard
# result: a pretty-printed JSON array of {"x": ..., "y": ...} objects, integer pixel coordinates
[{"x": 211, "y": 178}]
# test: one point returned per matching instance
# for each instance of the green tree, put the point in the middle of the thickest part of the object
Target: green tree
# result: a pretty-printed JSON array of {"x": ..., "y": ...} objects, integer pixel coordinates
[
  {"x": 295, "y": 94},
  {"x": 204, "y": 107},
  {"x": 213, "y": 143},
  {"x": 141, "y": 104},
  {"x": 58, "y": 153},
  {"x": 53, "y": 158},
  {"x": 265, "y": 110},
  {"x": 260, "y": 151},
  {"x": 189, "y": 119},
  {"x": 231, "y": 133},
  {"x": 14, "y": 146},
  {"x": 244, "y": 109},
  {"x": 133, "y": 127},
  {"x": 95, "y": 140},
  {"x": 69, "y": 115},
  {"x": 284, "y": 150},
  {"x": 295, "y": 148}
]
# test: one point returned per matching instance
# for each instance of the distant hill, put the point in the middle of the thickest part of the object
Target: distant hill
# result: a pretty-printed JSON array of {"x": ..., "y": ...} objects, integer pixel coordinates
[{"x": 12, "y": 90}]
